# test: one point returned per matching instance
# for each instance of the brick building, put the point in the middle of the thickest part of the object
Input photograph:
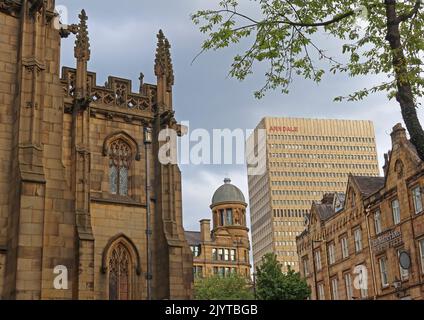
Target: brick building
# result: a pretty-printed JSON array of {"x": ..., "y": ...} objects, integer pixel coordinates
[
  {"x": 81, "y": 185},
  {"x": 371, "y": 246},
  {"x": 226, "y": 248}
]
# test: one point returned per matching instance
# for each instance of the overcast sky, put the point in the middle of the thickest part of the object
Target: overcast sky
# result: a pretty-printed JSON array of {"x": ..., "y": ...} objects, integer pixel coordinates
[{"x": 123, "y": 42}]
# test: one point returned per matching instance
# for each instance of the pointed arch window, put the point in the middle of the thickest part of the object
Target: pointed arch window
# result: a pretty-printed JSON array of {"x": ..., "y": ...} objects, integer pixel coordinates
[
  {"x": 119, "y": 273},
  {"x": 119, "y": 165}
]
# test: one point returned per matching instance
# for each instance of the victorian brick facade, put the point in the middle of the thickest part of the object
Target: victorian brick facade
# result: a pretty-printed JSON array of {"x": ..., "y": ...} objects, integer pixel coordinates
[
  {"x": 225, "y": 249},
  {"x": 80, "y": 180},
  {"x": 372, "y": 247}
]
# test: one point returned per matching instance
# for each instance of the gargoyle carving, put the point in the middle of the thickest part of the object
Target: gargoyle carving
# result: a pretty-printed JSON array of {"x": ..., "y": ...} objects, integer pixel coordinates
[
  {"x": 36, "y": 6},
  {"x": 81, "y": 104},
  {"x": 10, "y": 7},
  {"x": 66, "y": 30},
  {"x": 167, "y": 118}
]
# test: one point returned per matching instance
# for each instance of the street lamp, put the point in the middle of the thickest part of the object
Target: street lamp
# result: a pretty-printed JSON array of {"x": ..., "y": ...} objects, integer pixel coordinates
[{"x": 147, "y": 135}]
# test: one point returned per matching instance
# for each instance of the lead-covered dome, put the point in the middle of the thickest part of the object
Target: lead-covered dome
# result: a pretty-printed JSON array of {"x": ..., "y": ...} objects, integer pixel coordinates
[{"x": 228, "y": 193}]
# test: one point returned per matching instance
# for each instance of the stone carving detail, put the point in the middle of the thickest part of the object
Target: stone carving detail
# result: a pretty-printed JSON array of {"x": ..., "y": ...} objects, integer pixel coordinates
[
  {"x": 116, "y": 93},
  {"x": 399, "y": 168},
  {"x": 10, "y": 7},
  {"x": 82, "y": 43},
  {"x": 36, "y": 6},
  {"x": 67, "y": 30},
  {"x": 163, "y": 62},
  {"x": 33, "y": 65},
  {"x": 120, "y": 93},
  {"x": 69, "y": 84}
]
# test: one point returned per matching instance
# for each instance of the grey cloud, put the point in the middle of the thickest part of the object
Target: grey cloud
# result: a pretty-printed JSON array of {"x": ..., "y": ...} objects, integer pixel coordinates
[{"x": 123, "y": 44}]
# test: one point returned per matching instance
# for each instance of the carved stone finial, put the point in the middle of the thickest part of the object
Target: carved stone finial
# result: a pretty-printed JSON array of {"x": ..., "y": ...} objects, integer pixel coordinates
[
  {"x": 141, "y": 78},
  {"x": 82, "y": 44},
  {"x": 160, "y": 62},
  {"x": 169, "y": 65},
  {"x": 163, "y": 62}
]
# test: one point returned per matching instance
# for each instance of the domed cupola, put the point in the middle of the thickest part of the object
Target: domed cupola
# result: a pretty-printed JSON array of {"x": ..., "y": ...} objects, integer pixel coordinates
[
  {"x": 227, "y": 193},
  {"x": 228, "y": 207}
]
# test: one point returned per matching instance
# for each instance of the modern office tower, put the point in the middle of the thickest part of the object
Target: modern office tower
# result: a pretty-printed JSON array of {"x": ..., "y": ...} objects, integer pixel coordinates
[{"x": 305, "y": 159}]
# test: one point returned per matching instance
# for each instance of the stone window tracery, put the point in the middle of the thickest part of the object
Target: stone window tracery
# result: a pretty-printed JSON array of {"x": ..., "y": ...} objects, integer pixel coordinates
[
  {"x": 119, "y": 165},
  {"x": 121, "y": 94},
  {"x": 119, "y": 273}
]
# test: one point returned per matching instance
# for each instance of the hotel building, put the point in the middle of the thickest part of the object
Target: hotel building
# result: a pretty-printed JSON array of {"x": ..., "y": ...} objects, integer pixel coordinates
[
  {"x": 373, "y": 246},
  {"x": 224, "y": 249},
  {"x": 305, "y": 159}
]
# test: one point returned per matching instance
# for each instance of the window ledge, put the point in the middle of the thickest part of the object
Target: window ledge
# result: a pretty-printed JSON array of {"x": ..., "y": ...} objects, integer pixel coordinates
[{"x": 119, "y": 201}]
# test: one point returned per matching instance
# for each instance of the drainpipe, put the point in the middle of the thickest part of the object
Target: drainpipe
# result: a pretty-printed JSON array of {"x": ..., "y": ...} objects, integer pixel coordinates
[
  {"x": 367, "y": 214},
  {"x": 327, "y": 264},
  {"x": 315, "y": 270},
  {"x": 415, "y": 243},
  {"x": 149, "y": 275}
]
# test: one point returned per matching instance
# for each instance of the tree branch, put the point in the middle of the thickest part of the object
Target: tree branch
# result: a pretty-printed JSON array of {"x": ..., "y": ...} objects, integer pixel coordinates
[
  {"x": 410, "y": 14},
  {"x": 233, "y": 12},
  {"x": 335, "y": 19}
]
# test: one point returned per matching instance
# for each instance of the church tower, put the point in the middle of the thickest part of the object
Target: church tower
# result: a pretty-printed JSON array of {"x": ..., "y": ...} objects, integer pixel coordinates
[{"x": 83, "y": 195}]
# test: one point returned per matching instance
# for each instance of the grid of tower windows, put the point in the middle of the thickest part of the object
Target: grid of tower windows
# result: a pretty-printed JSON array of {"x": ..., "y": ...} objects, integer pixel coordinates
[
  {"x": 325, "y": 147},
  {"x": 283, "y": 213},
  {"x": 321, "y": 138}
]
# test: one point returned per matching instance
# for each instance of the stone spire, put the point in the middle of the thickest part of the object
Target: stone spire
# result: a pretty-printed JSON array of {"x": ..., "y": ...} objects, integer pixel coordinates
[
  {"x": 82, "y": 44},
  {"x": 169, "y": 65},
  {"x": 160, "y": 60},
  {"x": 163, "y": 61}
]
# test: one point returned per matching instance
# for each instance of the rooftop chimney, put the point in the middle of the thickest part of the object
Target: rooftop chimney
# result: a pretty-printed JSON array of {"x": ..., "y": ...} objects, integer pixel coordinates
[
  {"x": 205, "y": 230},
  {"x": 328, "y": 198},
  {"x": 386, "y": 163},
  {"x": 398, "y": 135}
]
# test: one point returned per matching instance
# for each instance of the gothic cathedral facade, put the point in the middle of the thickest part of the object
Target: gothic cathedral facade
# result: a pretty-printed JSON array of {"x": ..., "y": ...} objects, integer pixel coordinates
[{"x": 83, "y": 194}]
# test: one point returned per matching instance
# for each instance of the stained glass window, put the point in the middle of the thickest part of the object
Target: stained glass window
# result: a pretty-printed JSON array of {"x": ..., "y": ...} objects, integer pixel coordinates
[
  {"x": 119, "y": 266},
  {"x": 119, "y": 163}
]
